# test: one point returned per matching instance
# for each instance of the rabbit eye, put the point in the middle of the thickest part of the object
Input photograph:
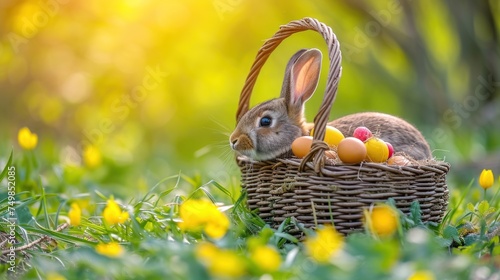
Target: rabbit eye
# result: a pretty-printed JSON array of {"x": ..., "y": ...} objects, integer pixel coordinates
[{"x": 265, "y": 121}]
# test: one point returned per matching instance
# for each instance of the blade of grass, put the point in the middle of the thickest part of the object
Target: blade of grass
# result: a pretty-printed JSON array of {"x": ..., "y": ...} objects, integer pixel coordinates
[
  {"x": 492, "y": 200},
  {"x": 221, "y": 188},
  {"x": 6, "y": 168},
  {"x": 287, "y": 236},
  {"x": 59, "y": 208},
  {"x": 43, "y": 207},
  {"x": 207, "y": 193},
  {"x": 52, "y": 256},
  {"x": 175, "y": 208},
  {"x": 239, "y": 201},
  {"x": 101, "y": 195},
  {"x": 449, "y": 215},
  {"x": 59, "y": 236},
  {"x": 178, "y": 176}
]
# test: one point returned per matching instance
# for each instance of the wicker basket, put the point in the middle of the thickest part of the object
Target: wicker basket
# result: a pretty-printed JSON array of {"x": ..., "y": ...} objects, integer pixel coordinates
[{"x": 315, "y": 191}]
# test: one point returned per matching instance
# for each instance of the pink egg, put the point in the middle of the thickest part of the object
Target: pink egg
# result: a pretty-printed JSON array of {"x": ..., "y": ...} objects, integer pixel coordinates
[{"x": 362, "y": 133}]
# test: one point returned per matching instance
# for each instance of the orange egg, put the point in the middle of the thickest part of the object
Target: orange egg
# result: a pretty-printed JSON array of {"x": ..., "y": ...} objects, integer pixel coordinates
[
  {"x": 351, "y": 150},
  {"x": 301, "y": 146}
]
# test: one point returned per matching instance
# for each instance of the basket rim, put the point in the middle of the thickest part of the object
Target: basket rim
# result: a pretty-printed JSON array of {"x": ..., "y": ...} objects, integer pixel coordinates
[{"x": 428, "y": 165}]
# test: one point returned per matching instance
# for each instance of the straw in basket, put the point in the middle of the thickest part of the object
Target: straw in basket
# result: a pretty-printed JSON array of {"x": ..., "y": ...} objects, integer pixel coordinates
[{"x": 316, "y": 192}]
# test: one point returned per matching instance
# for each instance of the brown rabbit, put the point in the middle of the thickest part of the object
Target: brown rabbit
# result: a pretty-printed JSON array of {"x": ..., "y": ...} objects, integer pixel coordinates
[{"x": 268, "y": 130}]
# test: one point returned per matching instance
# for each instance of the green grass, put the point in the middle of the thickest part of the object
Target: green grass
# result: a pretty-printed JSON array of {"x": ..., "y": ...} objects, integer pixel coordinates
[{"x": 464, "y": 246}]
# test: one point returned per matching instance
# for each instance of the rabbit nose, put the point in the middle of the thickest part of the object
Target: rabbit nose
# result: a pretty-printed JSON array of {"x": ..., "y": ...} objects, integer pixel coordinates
[{"x": 233, "y": 143}]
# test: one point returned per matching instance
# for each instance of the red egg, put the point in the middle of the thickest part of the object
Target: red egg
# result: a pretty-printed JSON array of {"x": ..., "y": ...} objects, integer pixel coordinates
[
  {"x": 391, "y": 149},
  {"x": 362, "y": 133}
]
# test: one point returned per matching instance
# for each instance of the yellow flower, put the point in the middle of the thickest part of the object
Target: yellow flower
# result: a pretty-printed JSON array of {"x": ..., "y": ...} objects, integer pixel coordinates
[
  {"x": 26, "y": 139},
  {"x": 486, "y": 179},
  {"x": 75, "y": 214},
  {"x": 217, "y": 226},
  {"x": 112, "y": 213},
  {"x": 382, "y": 220},
  {"x": 220, "y": 263},
  {"x": 227, "y": 264},
  {"x": 92, "y": 156},
  {"x": 266, "y": 258},
  {"x": 54, "y": 276},
  {"x": 111, "y": 249},
  {"x": 206, "y": 251},
  {"x": 325, "y": 245},
  {"x": 201, "y": 214},
  {"x": 422, "y": 275}
]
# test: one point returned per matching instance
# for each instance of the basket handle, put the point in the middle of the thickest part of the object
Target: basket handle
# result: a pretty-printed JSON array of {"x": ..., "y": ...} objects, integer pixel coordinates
[{"x": 334, "y": 72}]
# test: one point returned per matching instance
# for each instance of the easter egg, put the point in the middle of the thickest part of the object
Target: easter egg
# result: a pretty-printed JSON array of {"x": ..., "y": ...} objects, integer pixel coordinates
[
  {"x": 332, "y": 136},
  {"x": 301, "y": 146},
  {"x": 376, "y": 150},
  {"x": 399, "y": 160},
  {"x": 362, "y": 133},
  {"x": 351, "y": 150},
  {"x": 331, "y": 154},
  {"x": 391, "y": 149}
]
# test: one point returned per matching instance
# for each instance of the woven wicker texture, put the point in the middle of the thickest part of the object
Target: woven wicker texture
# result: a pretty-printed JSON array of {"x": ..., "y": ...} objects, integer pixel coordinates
[
  {"x": 314, "y": 191},
  {"x": 277, "y": 190}
]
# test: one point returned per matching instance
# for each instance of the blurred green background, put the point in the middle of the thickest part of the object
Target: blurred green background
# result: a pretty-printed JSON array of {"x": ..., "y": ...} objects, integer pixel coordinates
[{"x": 154, "y": 85}]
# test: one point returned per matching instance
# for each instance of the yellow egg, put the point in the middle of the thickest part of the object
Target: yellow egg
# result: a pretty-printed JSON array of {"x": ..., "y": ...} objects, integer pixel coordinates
[
  {"x": 376, "y": 150},
  {"x": 333, "y": 136},
  {"x": 351, "y": 150},
  {"x": 301, "y": 146}
]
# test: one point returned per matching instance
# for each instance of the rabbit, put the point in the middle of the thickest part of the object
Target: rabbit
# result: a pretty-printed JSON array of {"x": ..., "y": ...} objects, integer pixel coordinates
[{"x": 267, "y": 130}]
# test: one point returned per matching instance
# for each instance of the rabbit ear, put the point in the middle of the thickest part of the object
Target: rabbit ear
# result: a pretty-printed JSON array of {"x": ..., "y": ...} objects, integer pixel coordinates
[{"x": 301, "y": 77}]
